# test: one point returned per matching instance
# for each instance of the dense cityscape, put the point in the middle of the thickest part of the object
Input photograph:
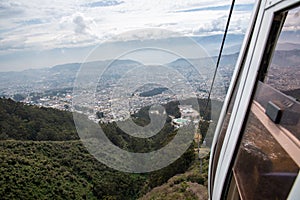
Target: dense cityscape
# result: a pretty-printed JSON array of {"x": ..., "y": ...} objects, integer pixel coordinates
[
  {"x": 120, "y": 93},
  {"x": 106, "y": 104}
]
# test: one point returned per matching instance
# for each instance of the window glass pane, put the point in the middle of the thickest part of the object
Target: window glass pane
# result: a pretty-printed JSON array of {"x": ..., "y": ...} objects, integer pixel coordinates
[
  {"x": 284, "y": 73},
  {"x": 263, "y": 169},
  {"x": 290, "y": 109},
  {"x": 226, "y": 67},
  {"x": 268, "y": 160},
  {"x": 239, "y": 21},
  {"x": 222, "y": 133}
]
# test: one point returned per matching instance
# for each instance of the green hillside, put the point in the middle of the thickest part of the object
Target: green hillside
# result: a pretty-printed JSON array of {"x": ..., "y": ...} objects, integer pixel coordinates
[
  {"x": 60, "y": 170},
  {"x": 190, "y": 185},
  {"x": 42, "y": 158},
  {"x": 23, "y": 122}
]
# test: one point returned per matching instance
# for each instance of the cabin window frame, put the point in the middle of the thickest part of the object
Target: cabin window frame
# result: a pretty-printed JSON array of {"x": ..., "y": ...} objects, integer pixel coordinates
[{"x": 245, "y": 91}]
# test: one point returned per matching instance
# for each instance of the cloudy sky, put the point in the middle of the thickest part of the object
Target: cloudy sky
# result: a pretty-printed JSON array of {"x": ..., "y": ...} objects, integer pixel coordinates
[{"x": 36, "y": 33}]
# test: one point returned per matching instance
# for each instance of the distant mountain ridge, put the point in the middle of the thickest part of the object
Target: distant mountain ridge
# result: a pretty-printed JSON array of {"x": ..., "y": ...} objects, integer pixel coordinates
[
  {"x": 287, "y": 46},
  {"x": 287, "y": 58},
  {"x": 63, "y": 76},
  {"x": 56, "y": 77}
]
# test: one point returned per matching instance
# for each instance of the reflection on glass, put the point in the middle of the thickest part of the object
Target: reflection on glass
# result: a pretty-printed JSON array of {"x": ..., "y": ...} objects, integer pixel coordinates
[
  {"x": 227, "y": 64},
  {"x": 290, "y": 117},
  {"x": 263, "y": 169},
  {"x": 284, "y": 73},
  {"x": 223, "y": 132},
  {"x": 268, "y": 161}
]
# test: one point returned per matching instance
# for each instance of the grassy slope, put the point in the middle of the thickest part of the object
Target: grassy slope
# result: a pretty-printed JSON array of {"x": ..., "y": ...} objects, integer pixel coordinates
[{"x": 190, "y": 185}]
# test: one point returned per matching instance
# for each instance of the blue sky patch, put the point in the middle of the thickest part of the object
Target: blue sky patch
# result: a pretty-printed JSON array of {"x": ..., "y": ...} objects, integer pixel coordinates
[
  {"x": 238, "y": 7},
  {"x": 32, "y": 21},
  {"x": 104, "y": 3}
]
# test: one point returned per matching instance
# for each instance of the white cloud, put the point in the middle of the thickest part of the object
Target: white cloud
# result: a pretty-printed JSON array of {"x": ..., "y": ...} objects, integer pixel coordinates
[
  {"x": 292, "y": 21},
  {"x": 215, "y": 25},
  {"x": 80, "y": 25},
  {"x": 50, "y": 24}
]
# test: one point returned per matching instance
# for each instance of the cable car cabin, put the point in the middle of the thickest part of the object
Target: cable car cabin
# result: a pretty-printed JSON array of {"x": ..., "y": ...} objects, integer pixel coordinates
[{"x": 256, "y": 148}]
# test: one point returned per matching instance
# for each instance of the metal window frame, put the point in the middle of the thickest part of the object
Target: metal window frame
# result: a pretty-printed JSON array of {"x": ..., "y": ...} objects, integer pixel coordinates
[
  {"x": 231, "y": 88},
  {"x": 251, "y": 66}
]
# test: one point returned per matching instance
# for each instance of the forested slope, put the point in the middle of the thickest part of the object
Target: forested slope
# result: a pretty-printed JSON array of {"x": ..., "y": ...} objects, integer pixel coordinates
[{"x": 42, "y": 157}]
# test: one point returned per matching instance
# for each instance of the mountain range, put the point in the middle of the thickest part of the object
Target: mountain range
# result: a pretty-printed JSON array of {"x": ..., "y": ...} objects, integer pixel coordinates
[{"x": 63, "y": 76}]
